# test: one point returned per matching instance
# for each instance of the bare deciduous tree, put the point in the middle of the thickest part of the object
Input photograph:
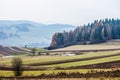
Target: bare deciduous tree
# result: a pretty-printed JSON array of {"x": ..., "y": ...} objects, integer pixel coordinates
[{"x": 33, "y": 51}]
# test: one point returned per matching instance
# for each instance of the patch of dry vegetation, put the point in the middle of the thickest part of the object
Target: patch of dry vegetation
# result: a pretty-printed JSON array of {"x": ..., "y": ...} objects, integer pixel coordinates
[{"x": 89, "y": 47}]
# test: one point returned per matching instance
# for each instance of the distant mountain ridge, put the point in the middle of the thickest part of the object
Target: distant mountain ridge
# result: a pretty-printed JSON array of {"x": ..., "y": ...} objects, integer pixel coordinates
[
  {"x": 22, "y": 32},
  {"x": 96, "y": 32}
]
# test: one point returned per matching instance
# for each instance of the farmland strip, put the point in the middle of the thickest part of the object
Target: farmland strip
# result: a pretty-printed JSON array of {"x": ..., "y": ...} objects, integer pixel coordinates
[{"x": 71, "y": 60}]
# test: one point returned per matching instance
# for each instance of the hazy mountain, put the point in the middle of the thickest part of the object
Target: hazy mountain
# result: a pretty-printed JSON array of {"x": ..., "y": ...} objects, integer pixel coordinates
[{"x": 20, "y": 33}]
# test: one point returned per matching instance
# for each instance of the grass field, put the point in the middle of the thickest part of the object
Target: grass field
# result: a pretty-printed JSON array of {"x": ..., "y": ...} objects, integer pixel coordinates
[
  {"x": 49, "y": 59},
  {"x": 1, "y": 55},
  {"x": 40, "y": 59},
  {"x": 86, "y": 62},
  {"x": 36, "y": 73},
  {"x": 89, "y": 47},
  {"x": 111, "y": 44}
]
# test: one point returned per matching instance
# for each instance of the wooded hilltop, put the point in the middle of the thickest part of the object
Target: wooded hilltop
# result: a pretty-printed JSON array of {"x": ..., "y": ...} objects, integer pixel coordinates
[{"x": 92, "y": 33}]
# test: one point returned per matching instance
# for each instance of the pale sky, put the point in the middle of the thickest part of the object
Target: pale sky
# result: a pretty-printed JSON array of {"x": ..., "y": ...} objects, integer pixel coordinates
[{"x": 75, "y": 12}]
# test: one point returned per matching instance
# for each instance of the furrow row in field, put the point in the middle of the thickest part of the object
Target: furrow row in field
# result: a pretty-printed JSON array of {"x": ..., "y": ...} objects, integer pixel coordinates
[{"x": 12, "y": 50}]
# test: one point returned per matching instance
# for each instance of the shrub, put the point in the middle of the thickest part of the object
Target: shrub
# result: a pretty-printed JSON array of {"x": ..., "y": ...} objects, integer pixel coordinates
[{"x": 17, "y": 66}]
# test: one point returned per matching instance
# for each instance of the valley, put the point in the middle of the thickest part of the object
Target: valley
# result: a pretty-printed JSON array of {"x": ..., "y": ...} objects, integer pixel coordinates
[
  {"x": 57, "y": 62},
  {"x": 90, "y": 57}
]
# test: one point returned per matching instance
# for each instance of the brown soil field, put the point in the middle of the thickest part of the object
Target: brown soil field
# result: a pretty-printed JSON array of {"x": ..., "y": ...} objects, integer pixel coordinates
[
  {"x": 113, "y": 65},
  {"x": 102, "y": 78},
  {"x": 12, "y": 50}
]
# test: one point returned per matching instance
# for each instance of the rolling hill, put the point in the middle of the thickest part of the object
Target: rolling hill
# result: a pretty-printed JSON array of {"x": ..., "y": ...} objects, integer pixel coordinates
[
  {"x": 96, "y": 32},
  {"x": 112, "y": 44},
  {"x": 22, "y": 32},
  {"x": 13, "y": 50}
]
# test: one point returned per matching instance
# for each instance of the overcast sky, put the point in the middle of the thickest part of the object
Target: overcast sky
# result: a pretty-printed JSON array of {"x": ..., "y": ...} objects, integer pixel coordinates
[{"x": 76, "y": 12}]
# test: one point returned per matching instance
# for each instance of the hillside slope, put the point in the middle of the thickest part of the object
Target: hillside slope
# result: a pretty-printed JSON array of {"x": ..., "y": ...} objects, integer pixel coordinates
[
  {"x": 110, "y": 44},
  {"x": 96, "y": 32},
  {"x": 12, "y": 50}
]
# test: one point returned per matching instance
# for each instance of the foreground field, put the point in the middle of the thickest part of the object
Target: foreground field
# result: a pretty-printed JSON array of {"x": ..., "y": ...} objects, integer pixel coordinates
[
  {"x": 91, "y": 74},
  {"x": 102, "y": 78},
  {"x": 57, "y": 63},
  {"x": 67, "y": 67},
  {"x": 38, "y": 72}
]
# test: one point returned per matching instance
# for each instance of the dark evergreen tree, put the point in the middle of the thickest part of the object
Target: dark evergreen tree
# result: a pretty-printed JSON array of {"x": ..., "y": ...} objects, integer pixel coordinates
[{"x": 98, "y": 31}]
